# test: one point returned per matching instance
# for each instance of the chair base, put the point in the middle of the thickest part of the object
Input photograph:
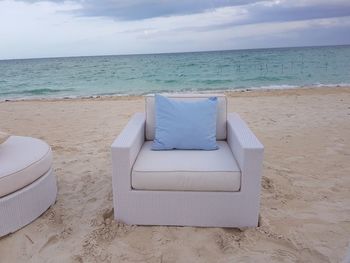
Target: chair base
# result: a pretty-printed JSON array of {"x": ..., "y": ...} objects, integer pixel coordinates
[
  {"x": 186, "y": 208},
  {"x": 25, "y": 205}
]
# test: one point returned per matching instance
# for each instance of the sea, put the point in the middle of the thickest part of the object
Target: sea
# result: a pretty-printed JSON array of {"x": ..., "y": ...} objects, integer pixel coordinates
[{"x": 275, "y": 68}]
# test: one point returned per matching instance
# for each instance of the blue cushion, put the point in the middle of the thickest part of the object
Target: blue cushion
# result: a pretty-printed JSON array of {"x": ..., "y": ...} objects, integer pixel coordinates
[{"x": 185, "y": 125}]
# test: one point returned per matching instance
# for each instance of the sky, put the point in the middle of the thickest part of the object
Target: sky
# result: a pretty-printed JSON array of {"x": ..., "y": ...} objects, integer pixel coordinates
[{"x": 54, "y": 28}]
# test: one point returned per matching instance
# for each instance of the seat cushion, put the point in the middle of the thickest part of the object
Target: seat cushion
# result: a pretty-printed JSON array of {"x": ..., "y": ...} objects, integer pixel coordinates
[
  {"x": 22, "y": 161},
  {"x": 186, "y": 170}
]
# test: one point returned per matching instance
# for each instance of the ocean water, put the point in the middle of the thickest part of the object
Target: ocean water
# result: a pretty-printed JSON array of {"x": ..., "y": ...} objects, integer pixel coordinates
[{"x": 177, "y": 72}]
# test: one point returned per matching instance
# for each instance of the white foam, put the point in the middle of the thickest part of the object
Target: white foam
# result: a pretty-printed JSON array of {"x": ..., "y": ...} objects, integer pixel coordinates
[{"x": 206, "y": 91}]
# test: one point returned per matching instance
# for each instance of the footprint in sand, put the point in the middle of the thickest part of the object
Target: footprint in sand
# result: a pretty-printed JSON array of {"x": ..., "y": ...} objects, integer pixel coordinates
[
  {"x": 230, "y": 239},
  {"x": 106, "y": 230},
  {"x": 51, "y": 240},
  {"x": 267, "y": 184}
]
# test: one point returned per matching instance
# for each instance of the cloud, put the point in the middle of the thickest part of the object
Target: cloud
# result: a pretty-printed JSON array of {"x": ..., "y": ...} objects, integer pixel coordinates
[
  {"x": 294, "y": 11},
  {"x": 144, "y": 9},
  {"x": 259, "y": 14},
  {"x": 259, "y": 10},
  {"x": 325, "y": 31},
  {"x": 61, "y": 28}
]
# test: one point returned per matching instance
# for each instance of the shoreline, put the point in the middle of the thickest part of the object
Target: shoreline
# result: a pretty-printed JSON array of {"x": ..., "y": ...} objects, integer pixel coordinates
[{"x": 229, "y": 92}]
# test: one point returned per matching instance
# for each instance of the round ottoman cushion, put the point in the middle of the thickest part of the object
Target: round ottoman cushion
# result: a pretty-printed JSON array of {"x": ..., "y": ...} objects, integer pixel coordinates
[{"x": 22, "y": 161}]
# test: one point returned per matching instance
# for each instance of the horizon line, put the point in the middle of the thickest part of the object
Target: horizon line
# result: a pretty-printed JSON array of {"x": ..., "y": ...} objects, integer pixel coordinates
[{"x": 176, "y": 52}]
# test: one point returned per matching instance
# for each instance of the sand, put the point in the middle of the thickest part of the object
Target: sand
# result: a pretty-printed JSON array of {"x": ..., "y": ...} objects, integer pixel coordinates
[{"x": 305, "y": 206}]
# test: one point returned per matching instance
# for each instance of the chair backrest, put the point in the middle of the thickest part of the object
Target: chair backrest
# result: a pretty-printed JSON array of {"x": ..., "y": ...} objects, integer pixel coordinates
[{"x": 220, "y": 120}]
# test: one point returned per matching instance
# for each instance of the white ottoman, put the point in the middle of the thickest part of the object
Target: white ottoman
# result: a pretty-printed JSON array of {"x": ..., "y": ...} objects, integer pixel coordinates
[{"x": 27, "y": 183}]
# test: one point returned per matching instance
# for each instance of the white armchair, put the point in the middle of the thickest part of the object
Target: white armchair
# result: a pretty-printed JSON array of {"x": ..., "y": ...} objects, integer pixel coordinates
[{"x": 218, "y": 188}]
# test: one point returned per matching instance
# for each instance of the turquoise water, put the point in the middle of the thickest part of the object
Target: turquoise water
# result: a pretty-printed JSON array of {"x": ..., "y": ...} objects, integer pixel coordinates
[{"x": 199, "y": 71}]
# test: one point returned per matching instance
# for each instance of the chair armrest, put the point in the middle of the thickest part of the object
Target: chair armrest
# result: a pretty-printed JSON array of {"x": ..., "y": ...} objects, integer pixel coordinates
[
  {"x": 247, "y": 150},
  {"x": 125, "y": 149}
]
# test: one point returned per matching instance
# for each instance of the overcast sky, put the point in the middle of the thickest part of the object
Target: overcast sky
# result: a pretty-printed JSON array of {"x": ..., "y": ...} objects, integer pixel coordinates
[{"x": 57, "y": 28}]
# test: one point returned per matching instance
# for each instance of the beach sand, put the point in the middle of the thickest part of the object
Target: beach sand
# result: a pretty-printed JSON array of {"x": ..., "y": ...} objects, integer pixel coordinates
[{"x": 305, "y": 204}]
